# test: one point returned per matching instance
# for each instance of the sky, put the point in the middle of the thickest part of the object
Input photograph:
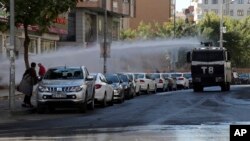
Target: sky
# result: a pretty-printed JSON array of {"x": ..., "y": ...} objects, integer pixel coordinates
[{"x": 180, "y": 4}]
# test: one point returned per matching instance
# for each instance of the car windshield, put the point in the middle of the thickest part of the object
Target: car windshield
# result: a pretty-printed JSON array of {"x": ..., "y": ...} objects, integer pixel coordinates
[
  {"x": 208, "y": 56},
  {"x": 112, "y": 78},
  {"x": 156, "y": 75},
  {"x": 64, "y": 73},
  {"x": 124, "y": 78},
  {"x": 176, "y": 75}
]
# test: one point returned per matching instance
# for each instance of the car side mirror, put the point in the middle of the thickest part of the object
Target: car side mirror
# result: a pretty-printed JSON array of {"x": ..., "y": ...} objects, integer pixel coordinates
[{"x": 90, "y": 78}]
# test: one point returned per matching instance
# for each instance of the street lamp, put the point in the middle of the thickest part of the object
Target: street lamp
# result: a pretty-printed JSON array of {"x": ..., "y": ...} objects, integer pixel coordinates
[{"x": 221, "y": 21}]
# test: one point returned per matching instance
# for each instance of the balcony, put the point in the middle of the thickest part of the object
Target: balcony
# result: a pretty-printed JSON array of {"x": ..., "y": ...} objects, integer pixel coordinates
[
  {"x": 89, "y": 4},
  {"x": 116, "y": 7}
]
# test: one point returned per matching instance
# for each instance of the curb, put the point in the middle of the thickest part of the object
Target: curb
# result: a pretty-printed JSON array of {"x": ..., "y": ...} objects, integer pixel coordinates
[{"x": 7, "y": 97}]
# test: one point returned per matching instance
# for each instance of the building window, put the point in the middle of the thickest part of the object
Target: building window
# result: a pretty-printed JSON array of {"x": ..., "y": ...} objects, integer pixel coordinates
[
  {"x": 240, "y": 1},
  {"x": 231, "y": 13},
  {"x": 214, "y": 1},
  {"x": 248, "y": 12},
  {"x": 240, "y": 13},
  {"x": 205, "y": 1},
  {"x": 215, "y": 11},
  {"x": 205, "y": 11}
]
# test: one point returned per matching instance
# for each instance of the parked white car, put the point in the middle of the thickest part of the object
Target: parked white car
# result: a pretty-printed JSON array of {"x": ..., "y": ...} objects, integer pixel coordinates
[
  {"x": 104, "y": 92},
  {"x": 181, "y": 81},
  {"x": 171, "y": 82},
  {"x": 162, "y": 83},
  {"x": 146, "y": 82},
  {"x": 188, "y": 75}
]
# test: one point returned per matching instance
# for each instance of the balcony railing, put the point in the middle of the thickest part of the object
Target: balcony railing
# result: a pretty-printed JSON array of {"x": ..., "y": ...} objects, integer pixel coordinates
[{"x": 113, "y": 6}]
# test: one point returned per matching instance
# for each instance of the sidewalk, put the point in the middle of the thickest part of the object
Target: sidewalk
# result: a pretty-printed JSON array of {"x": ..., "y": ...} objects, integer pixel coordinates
[{"x": 6, "y": 114}]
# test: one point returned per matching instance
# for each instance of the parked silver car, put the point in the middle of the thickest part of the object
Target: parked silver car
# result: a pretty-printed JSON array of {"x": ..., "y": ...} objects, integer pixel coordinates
[{"x": 66, "y": 87}]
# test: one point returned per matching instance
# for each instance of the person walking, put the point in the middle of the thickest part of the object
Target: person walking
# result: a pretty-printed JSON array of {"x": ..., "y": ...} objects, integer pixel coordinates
[
  {"x": 26, "y": 85},
  {"x": 41, "y": 71}
]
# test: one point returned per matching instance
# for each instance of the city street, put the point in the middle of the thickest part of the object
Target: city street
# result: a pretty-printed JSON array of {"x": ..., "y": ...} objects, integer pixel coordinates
[{"x": 173, "y": 116}]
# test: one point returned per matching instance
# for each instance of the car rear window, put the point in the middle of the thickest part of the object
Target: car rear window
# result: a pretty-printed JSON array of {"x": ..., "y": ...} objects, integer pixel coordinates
[{"x": 112, "y": 78}]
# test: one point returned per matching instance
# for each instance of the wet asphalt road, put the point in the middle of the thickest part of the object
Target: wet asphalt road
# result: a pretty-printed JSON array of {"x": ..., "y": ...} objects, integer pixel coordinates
[{"x": 179, "y": 115}]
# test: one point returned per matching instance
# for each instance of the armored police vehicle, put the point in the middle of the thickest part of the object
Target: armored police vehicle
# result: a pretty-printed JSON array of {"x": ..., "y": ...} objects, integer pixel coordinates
[{"x": 210, "y": 66}]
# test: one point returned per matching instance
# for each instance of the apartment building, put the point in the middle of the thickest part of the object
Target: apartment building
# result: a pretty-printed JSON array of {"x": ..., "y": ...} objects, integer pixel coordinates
[
  {"x": 86, "y": 22},
  {"x": 236, "y": 9},
  {"x": 151, "y": 11},
  {"x": 39, "y": 42}
]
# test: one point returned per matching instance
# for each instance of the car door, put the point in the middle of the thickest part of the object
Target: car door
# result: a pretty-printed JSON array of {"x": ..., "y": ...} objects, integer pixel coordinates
[
  {"x": 108, "y": 87},
  {"x": 89, "y": 84}
]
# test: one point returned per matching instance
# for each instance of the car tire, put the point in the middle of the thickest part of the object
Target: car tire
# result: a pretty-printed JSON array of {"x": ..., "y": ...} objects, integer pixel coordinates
[
  {"x": 83, "y": 106},
  {"x": 139, "y": 92},
  {"x": 148, "y": 91},
  {"x": 155, "y": 90},
  {"x": 104, "y": 102},
  {"x": 111, "y": 102},
  {"x": 91, "y": 105},
  {"x": 40, "y": 108}
]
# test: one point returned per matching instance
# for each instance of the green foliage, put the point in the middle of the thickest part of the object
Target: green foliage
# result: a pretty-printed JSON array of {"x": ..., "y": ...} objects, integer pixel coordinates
[
  {"x": 37, "y": 12},
  {"x": 128, "y": 34},
  {"x": 144, "y": 30},
  {"x": 237, "y": 36},
  {"x": 156, "y": 30},
  {"x": 3, "y": 27}
]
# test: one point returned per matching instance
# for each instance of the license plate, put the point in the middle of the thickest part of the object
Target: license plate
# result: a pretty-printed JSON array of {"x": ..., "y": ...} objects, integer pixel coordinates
[{"x": 59, "y": 95}]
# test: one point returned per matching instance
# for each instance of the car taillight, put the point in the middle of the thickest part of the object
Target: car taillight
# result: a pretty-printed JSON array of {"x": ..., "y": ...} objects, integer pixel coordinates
[
  {"x": 142, "y": 81},
  {"x": 160, "y": 81},
  {"x": 98, "y": 86},
  {"x": 181, "y": 78}
]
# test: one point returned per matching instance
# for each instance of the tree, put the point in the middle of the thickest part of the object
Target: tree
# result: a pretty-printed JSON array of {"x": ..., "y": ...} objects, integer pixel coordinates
[
  {"x": 127, "y": 34},
  {"x": 38, "y": 12}
]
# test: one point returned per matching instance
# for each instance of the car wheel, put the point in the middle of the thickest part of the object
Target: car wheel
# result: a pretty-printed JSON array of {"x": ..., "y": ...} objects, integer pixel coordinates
[
  {"x": 40, "y": 108},
  {"x": 83, "y": 106},
  {"x": 155, "y": 90},
  {"x": 92, "y": 104},
  {"x": 139, "y": 92},
  {"x": 164, "y": 88},
  {"x": 104, "y": 102},
  {"x": 148, "y": 91},
  {"x": 111, "y": 102}
]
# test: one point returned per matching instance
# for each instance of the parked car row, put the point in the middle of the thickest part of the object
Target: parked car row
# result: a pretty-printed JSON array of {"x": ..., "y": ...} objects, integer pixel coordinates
[{"x": 75, "y": 87}]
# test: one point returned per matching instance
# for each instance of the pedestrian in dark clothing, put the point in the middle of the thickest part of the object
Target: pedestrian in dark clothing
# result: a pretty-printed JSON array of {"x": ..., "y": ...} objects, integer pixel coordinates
[
  {"x": 26, "y": 85},
  {"x": 41, "y": 71}
]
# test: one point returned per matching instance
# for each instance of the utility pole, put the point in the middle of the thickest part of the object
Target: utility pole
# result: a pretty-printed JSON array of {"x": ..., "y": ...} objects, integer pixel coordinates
[
  {"x": 105, "y": 38},
  {"x": 221, "y": 24},
  {"x": 221, "y": 20},
  {"x": 174, "y": 17},
  {"x": 12, "y": 58}
]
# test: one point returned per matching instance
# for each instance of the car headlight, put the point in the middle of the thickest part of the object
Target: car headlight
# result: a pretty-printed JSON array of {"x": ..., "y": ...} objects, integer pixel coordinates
[
  {"x": 43, "y": 88},
  {"x": 75, "y": 88}
]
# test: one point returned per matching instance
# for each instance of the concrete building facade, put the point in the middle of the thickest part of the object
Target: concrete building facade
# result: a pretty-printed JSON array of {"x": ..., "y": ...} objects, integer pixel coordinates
[
  {"x": 236, "y": 9},
  {"x": 151, "y": 11},
  {"x": 86, "y": 22}
]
